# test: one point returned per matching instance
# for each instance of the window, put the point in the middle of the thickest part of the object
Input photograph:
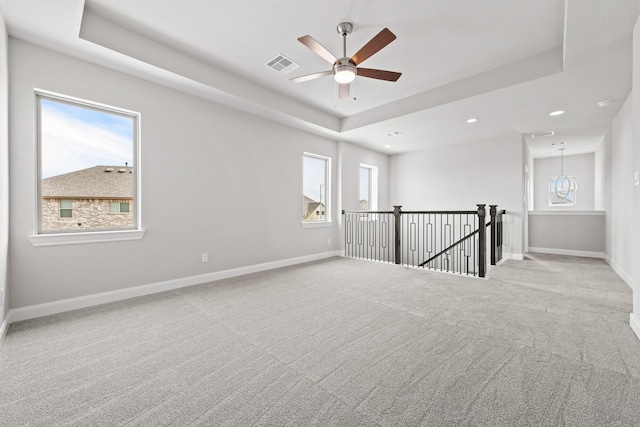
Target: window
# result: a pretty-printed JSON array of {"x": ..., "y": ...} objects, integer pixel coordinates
[
  {"x": 368, "y": 195},
  {"x": 562, "y": 191},
  {"x": 66, "y": 210},
  {"x": 116, "y": 207},
  {"x": 87, "y": 154},
  {"x": 316, "y": 191}
]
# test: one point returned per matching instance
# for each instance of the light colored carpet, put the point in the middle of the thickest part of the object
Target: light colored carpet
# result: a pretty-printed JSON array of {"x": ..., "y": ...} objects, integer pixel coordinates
[{"x": 340, "y": 342}]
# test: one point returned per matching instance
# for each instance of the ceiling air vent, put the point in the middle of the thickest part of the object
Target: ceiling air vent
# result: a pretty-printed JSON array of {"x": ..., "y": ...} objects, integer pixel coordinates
[
  {"x": 543, "y": 134},
  {"x": 282, "y": 64}
]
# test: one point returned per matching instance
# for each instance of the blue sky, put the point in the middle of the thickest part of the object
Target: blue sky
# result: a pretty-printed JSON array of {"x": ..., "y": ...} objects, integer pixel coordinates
[
  {"x": 314, "y": 177},
  {"x": 75, "y": 138}
]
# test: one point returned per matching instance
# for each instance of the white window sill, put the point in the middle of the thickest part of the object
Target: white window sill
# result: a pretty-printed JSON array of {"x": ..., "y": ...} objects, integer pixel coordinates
[
  {"x": 315, "y": 224},
  {"x": 88, "y": 237}
]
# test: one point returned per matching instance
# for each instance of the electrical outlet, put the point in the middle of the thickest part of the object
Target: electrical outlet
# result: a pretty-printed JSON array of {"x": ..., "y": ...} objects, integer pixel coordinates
[
  {"x": 205, "y": 257},
  {"x": 329, "y": 241},
  {"x": 636, "y": 178}
]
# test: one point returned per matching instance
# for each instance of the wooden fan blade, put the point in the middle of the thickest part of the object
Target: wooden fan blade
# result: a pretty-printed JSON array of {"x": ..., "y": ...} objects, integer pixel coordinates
[
  {"x": 343, "y": 90},
  {"x": 390, "y": 76},
  {"x": 382, "y": 39},
  {"x": 312, "y": 44},
  {"x": 311, "y": 76}
]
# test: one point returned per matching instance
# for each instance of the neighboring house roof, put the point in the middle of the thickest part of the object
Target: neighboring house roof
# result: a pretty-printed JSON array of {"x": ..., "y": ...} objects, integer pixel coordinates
[
  {"x": 312, "y": 207},
  {"x": 91, "y": 183}
]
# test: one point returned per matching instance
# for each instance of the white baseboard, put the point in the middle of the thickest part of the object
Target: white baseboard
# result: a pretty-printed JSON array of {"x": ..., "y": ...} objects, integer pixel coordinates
[
  {"x": 587, "y": 254},
  {"x": 620, "y": 272},
  {"x": 46, "y": 309},
  {"x": 634, "y": 322},
  {"x": 517, "y": 257}
]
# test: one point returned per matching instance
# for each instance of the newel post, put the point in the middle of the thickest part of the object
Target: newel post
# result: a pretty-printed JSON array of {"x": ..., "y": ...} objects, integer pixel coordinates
[
  {"x": 396, "y": 214},
  {"x": 494, "y": 232},
  {"x": 482, "y": 241}
]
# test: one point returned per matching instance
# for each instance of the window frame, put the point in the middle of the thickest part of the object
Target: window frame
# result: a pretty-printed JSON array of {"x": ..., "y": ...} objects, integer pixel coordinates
[
  {"x": 373, "y": 186},
  {"x": 326, "y": 222},
  {"x": 63, "y": 237}
]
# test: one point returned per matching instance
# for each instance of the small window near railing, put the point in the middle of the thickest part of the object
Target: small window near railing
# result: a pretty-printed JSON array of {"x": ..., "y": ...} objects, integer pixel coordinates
[
  {"x": 368, "y": 191},
  {"x": 316, "y": 191},
  {"x": 562, "y": 191}
]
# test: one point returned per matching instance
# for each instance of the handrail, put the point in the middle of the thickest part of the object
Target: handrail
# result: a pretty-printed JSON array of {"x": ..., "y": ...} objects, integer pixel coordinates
[
  {"x": 473, "y": 233},
  {"x": 367, "y": 212},
  {"x": 408, "y": 237},
  {"x": 415, "y": 212}
]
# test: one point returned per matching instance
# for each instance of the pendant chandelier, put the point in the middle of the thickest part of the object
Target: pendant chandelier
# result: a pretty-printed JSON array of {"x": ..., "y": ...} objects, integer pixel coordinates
[{"x": 564, "y": 187}]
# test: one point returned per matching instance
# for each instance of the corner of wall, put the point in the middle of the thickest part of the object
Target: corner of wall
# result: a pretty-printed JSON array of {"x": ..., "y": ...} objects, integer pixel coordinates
[
  {"x": 4, "y": 175},
  {"x": 635, "y": 112}
]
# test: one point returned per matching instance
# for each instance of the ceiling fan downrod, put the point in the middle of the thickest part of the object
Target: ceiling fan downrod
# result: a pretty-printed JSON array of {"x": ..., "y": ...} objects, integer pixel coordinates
[{"x": 344, "y": 29}]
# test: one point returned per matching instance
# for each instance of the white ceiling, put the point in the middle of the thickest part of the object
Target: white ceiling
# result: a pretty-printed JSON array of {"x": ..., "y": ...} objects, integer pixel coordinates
[{"x": 507, "y": 62}]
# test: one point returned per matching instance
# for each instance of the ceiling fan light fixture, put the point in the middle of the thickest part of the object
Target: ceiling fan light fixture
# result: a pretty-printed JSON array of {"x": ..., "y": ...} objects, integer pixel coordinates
[{"x": 344, "y": 72}]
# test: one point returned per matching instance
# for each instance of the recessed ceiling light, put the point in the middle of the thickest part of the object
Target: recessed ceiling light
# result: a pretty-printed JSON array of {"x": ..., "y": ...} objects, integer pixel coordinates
[
  {"x": 605, "y": 103},
  {"x": 387, "y": 146},
  {"x": 472, "y": 120},
  {"x": 556, "y": 113}
]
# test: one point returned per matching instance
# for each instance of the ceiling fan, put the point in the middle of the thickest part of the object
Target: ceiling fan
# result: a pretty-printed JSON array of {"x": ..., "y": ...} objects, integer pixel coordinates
[{"x": 345, "y": 69}]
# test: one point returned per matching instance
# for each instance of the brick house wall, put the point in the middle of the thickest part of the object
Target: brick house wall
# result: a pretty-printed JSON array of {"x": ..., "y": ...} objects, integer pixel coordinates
[{"x": 88, "y": 214}]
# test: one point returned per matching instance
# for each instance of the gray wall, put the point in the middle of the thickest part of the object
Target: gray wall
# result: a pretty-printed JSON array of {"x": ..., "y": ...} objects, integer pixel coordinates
[
  {"x": 600, "y": 177},
  {"x": 213, "y": 180},
  {"x": 528, "y": 179},
  {"x": 618, "y": 146},
  {"x": 459, "y": 176},
  {"x": 635, "y": 227},
  {"x": 4, "y": 164},
  {"x": 581, "y": 166},
  {"x": 566, "y": 231}
]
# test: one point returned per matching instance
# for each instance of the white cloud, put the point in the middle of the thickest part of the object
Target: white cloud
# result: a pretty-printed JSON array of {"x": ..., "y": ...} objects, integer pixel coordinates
[{"x": 70, "y": 143}]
